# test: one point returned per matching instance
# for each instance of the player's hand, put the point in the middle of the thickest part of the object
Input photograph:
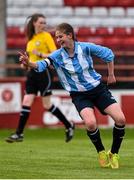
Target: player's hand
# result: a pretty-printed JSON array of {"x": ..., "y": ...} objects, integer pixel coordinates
[
  {"x": 24, "y": 59},
  {"x": 24, "y": 67},
  {"x": 111, "y": 79}
]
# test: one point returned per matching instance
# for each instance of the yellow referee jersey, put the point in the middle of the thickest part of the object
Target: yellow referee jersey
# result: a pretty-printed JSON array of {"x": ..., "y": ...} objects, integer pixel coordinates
[{"x": 43, "y": 43}]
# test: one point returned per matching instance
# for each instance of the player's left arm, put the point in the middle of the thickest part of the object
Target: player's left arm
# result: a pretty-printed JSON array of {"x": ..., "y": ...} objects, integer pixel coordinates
[
  {"x": 107, "y": 56},
  {"x": 102, "y": 52},
  {"x": 111, "y": 77}
]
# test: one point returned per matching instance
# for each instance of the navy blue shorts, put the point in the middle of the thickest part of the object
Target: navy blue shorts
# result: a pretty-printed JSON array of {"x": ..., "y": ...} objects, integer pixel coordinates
[{"x": 99, "y": 97}]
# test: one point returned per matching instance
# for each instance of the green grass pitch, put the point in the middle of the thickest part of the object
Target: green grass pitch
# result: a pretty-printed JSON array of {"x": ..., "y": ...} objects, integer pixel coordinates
[{"x": 44, "y": 155}]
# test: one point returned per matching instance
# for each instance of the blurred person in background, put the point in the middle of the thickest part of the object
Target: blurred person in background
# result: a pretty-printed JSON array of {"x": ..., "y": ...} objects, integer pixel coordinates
[
  {"x": 74, "y": 65},
  {"x": 40, "y": 45}
]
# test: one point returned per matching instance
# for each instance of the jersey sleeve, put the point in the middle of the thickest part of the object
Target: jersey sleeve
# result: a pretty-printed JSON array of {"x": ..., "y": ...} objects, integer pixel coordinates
[
  {"x": 43, "y": 64},
  {"x": 102, "y": 52}
]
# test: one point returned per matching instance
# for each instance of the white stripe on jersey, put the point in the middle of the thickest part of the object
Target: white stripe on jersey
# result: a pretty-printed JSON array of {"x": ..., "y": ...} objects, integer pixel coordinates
[
  {"x": 69, "y": 66},
  {"x": 64, "y": 81},
  {"x": 83, "y": 62}
]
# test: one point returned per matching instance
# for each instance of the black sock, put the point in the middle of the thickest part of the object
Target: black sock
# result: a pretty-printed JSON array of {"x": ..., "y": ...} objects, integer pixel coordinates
[
  {"x": 56, "y": 111},
  {"x": 96, "y": 139},
  {"x": 118, "y": 135},
  {"x": 24, "y": 115}
]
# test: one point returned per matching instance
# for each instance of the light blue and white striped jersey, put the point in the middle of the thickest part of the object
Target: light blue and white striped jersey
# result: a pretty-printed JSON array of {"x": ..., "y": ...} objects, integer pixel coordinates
[{"x": 77, "y": 73}]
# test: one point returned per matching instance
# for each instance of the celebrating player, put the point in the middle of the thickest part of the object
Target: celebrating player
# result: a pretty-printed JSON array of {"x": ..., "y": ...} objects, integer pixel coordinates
[{"x": 74, "y": 65}]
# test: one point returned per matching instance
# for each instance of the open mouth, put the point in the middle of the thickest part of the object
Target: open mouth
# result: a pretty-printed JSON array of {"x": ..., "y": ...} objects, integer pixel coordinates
[{"x": 62, "y": 43}]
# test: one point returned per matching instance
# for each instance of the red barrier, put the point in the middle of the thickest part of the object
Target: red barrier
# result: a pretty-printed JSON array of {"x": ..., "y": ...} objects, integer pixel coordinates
[
  {"x": 10, "y": 120},
  {"x": 40, "y": 118},
  {"x": 128, "y": 108}
]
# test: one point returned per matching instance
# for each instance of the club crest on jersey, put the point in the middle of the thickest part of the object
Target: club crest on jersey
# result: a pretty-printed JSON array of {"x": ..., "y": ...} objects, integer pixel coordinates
[{"x": 37, "y": 43}]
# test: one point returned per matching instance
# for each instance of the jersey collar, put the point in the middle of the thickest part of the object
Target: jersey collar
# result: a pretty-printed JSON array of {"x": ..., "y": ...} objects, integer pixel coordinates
[{"x": 66, "y": 55}]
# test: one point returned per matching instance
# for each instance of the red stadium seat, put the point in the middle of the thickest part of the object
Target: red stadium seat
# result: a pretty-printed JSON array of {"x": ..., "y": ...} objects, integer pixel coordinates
[
  {"x": 125, "y": 3},
  {"x": 120, "y": 31},
  {"x": 15, "y": 32},
  {"x": 16, "y": 38},
  {"x": 91, "y": 3},
  {"x": 73, "y": 3},
  {"x": 88, "y": 3},
  {"x": 10, "y": 43},
  {"x": 84, "y": 31},
  {"x": 108, "y": 3},
  {"x": 128, "y": 43},
  {"x": 132, "y": 31},
  {"x": 96, "y": 40},
  {"x": 82, "y": 39},
  {"x": 19, "y": 43},
  {"x": 113, "y": 42},
  {"x": 102, "y": 31}
]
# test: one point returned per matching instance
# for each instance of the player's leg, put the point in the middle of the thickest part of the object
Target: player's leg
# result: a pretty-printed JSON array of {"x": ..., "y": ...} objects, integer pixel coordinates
[
  {"x": 106, "y": 103},
  {"x": 25, "y": 112},
  {"x": 117, "y": 115},
  {"x": 85, "y": 107},
  {"x": 93, "y": 133},
  {"x": 61, "y": 117},
  {"x": 46, "y": 93},
  {"x": 24, "y": 115},
  {"x": 31, "y": 91}
]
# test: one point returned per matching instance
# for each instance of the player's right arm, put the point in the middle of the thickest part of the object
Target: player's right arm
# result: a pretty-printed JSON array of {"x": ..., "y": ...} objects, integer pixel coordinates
[{"x": 38, "y": 66}]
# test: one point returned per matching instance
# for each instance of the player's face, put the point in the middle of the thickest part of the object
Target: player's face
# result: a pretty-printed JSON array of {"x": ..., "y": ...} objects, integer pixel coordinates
[
  {"x": 64, "y": 40},
  {"x": 40, "y": 25}
]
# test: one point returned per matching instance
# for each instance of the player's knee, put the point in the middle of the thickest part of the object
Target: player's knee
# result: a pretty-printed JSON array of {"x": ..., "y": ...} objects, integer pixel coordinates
[
  {"x": 91, "y": 126},
  {"x": 121, "y": 120}
]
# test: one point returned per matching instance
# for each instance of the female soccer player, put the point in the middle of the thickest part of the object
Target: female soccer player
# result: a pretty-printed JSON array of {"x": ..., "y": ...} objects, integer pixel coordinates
[{"x": 74, "y": 65}]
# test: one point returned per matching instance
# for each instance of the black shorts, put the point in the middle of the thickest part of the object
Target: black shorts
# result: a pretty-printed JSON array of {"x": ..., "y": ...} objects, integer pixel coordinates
[
  {"x": 99, "y": 97},
  {"x": 38, "y": 82}
]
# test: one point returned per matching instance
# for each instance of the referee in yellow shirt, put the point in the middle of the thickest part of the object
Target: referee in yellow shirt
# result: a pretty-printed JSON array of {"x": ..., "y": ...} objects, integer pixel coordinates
[{"x": 40, "y": 45}]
